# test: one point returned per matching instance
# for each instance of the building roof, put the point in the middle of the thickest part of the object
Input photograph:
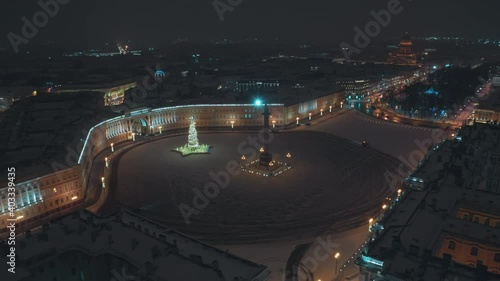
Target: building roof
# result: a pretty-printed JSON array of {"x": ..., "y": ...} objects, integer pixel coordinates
[
  {"x": 450, "y": 184},
  {"x": 39, "y": 131},
  {"x": 139, "y": 241}
]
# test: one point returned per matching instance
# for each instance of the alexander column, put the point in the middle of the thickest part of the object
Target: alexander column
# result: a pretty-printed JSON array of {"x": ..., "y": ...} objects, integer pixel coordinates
[{"x": 266, "y": 157}]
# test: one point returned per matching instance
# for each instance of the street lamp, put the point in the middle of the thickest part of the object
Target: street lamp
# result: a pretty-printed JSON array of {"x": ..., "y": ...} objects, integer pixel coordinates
[
  {"x": 341, "y": 104},
  {"x": 399, "y": 192},
  {"x": 243, "y": 158},
  {"x": 330, "y": 108},
  {"x": 133, "y": 136},
  {"x": 297, "y": 120},
  {"x": 384, "y": 206},
  {"x": 107, "y": 163},
  {"x": 103, "y": 183},
  {"x": 370, "y": 223},
  {"x": 112, "y": 147},
  {"x": 232, "y": 124},
  {"x": 310, "y": 115},
  {"x": 274, "y": 123},
  {"x": 160, "y": 129},
  {"x": 261, "y": 149},
  {"x": 337, "y": 255},
  {"x": 321, "y": 112}
]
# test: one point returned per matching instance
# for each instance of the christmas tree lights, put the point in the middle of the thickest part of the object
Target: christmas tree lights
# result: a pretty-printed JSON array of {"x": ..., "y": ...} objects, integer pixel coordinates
[{"x": 193, "y": 147}]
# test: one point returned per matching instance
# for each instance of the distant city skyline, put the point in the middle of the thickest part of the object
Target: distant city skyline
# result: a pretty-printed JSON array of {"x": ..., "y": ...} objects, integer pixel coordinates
[{"x": 156, "y": 23}]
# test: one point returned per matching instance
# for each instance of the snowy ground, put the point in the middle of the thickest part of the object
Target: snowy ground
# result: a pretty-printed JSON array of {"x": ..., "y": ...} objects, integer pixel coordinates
[
  {"x": 397, "y": 140},
  {"x": 334, "y": 186}
]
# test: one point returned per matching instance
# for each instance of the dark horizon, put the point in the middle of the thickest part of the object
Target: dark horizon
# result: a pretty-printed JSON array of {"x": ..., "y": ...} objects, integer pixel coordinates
[{"x": 91, "y": 24}]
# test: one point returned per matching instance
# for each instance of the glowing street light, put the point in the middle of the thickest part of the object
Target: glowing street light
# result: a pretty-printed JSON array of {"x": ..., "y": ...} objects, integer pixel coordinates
[
  {"x": 288, "y": 155},
  {"x": 321, "y": 112},
  {"x": 330, "y": 108},
  {"x": 133, "y": 136},
  {"x": 310, "y": 116},
  {"x": 103, "y": 183},
  {"x": 337, "y": 255},
  {"x": 107, "y": 162},
  {"x": 399, "y": 192},
  {"x": 297, "y": 120},
  {"x": 341, "y": 104},
  {"x": 261, "y": 149},
  {"x": 232, "y": 124},
  {"x": 384, "y": 206},
  {"x": 112, "y": 147},
  {"x": 160, "y": 129},
  {"x": 274, "y": 123},
  {"x": 370, "y": 223},
  {"x": 258, "y": 102},
  {"x": 243, "y": 157}
]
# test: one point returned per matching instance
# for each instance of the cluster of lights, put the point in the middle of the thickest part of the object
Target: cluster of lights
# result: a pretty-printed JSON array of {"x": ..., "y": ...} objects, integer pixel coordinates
[
  {"x": 200, "y": 149},
  {"x": 145, "y": 111},
  {"x": 355, "y": 255},
  {"x": 271, "y": 164}
]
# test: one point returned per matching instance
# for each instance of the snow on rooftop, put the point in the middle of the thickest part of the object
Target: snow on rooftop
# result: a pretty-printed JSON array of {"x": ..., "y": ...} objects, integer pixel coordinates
[
  {"x": 140, "y": 242},
  {"x": 452, "y": 183}
]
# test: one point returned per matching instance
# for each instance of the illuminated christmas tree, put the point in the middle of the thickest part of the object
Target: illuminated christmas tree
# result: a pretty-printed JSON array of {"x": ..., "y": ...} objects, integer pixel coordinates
[
  {"x": 193, "y": 135},
  {"x": 193, "y": 147}
]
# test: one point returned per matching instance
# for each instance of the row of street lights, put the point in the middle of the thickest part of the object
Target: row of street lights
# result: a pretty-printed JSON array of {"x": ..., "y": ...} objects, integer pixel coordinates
[
  {"x": 112, "y": 145},
  {"x": 384, "y": 208},
  {"x": 310, "y": 114},
  {"x": 232, "y": 124}
]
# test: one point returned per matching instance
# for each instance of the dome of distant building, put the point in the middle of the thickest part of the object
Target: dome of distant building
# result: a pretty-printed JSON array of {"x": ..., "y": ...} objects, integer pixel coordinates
[{"x": 405, "y": 54}]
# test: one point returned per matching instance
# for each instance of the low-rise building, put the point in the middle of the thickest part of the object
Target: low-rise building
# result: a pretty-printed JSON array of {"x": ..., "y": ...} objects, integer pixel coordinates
[
  {"x": 355, "y": 89},
  {"x": 449, "y": 229},
  {"x": 125, "y": 246},
  {"x": 113, "y": 93}
]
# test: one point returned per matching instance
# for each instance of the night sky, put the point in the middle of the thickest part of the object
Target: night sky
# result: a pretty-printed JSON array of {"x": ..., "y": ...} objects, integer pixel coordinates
[{"x": 89, "y": 23}]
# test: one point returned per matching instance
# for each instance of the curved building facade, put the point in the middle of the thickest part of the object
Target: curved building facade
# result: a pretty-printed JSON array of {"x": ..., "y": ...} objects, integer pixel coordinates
[{"x": 44, "y": 198}]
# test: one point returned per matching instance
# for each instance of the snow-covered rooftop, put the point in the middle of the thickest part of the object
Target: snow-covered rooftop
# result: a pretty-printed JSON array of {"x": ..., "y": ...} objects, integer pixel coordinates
[
  {"x": 414, "y": 229},
  {"x": 141, "y": 242}
]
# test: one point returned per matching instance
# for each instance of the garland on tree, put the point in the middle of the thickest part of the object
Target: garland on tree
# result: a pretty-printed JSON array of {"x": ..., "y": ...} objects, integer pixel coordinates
[
  {"x": 193, "y": 146},
  {"x": 193, "y": 135}
]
